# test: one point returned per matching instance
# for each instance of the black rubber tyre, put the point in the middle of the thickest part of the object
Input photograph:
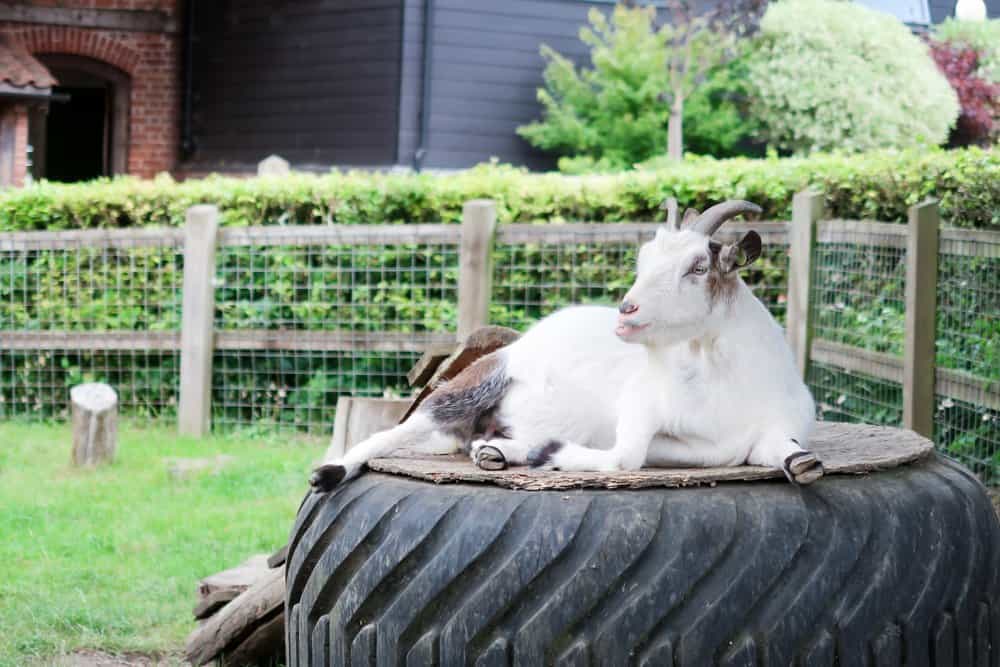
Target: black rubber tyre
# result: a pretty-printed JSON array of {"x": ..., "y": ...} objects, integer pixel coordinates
[{"x": 900, "y": 567}]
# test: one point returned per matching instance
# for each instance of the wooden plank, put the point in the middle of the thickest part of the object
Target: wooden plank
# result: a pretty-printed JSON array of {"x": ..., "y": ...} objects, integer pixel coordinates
[
  {"x": 967, "y": 387},
  {"x": 275, "y": 235},
  {"x": 969, "y": 243},
  {"x": 331, "y": 341},
  {"x": 862, "y": 232},
  {"x": 235, "y": 579},
  {"x": 72, "y": 239},
  {"x": 427, "y": 364},
  {"x": 948, "y": 382},
  {"x": 574, "y": 233},
  {"x": 475, "y": 275},
  {"x": 90, "y": 341},
  {"x": 921, "y": 315},
  {"x": 857, "y": 360},
  {"x": 807, "y": 209},
  {"x": 238, "y": 620},
  {"x": 843, "y": 448},
  {"x": 359, "y": 418},
  {"x": 197, "y": 321}
]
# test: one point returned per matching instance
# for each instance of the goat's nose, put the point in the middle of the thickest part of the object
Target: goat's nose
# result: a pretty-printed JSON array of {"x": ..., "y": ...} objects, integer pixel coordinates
[{"x": 627, "y": 307}]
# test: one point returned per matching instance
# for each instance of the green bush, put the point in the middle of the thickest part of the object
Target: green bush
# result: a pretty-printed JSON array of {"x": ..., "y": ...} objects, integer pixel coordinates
[
  {"x": 982, "y": 36},
  {"x": 831, "y": 75},
  {"x": 877, "y": 185},
  {"x": 716, "y": 118}
]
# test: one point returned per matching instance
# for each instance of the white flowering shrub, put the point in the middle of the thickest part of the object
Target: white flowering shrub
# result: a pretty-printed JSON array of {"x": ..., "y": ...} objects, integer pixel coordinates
[{"x": 830, "y": 75}]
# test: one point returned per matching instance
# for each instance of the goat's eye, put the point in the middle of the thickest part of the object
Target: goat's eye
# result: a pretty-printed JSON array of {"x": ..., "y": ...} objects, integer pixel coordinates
[{"x": 698, "y": 268}]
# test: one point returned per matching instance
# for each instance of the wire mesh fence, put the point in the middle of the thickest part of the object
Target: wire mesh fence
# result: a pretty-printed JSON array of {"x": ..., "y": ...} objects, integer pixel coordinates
[
  {"x": 968, "y": 341},
  {"x": 57, "y": 290},
  {"x": 302, "y": 288}
]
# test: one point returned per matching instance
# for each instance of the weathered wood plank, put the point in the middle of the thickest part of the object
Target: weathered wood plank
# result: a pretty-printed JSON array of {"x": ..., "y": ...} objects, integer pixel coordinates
[
  {"x": 72, "y": 239},
  {"x": 348, "y": 235},
  {"x": 475, "y": 274},
  {"x": 332, "y": 341},
  {"x": 573, "y": 233},
  {"x": 921, "y": 318},
  {"x": 194, "y": 408},
  {"x": 138, "y": 20},
  {"x": 90, "y": 341},
  {"x": 948, "y": 382},
  {"x": 807, "y": 208},
  {"x": 256, "y": 607},
  {"x": 843, "y": 448},
  {"x": 423, "y": 370}
]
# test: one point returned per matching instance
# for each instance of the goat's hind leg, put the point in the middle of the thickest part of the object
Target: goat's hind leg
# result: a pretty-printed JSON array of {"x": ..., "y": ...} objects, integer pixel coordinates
[
  {"x": 498, "y": 453},
  {"x": 420, "y": 432},
  {"x": 779, "y": 451}
]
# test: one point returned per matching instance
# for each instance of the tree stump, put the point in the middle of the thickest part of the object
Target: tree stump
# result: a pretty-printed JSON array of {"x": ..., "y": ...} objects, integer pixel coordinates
[{"x": 95, "y": 423}]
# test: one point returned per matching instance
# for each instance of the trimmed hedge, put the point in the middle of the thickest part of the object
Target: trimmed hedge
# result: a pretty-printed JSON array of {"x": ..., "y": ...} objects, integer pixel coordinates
[{"x": 875, "y": 185}]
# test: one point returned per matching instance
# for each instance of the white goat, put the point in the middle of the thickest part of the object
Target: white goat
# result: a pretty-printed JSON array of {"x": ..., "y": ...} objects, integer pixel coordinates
[{"x": 691, "y": 371}]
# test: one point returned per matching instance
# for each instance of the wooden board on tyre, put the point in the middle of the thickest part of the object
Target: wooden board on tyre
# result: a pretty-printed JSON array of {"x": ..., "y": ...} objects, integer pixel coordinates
[{"x": 478, "y": 344}]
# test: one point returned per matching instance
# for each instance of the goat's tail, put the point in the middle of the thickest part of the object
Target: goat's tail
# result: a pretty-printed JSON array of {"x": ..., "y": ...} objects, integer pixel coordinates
[{"x": 453, "y": 413}]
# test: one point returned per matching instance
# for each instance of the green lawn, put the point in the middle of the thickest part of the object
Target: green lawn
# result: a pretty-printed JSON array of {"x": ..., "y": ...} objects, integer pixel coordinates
[{"x": 109, "y": 558}]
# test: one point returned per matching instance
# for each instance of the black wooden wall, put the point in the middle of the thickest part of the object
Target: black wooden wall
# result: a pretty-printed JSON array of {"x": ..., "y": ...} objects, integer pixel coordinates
[
  {"x": 315, "y": 81},
  {"x": 484, "y": 74}
]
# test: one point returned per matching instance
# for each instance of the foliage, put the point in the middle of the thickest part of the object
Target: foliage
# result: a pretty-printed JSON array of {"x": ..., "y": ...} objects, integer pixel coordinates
[
  {"x": 879, "y": 185},
  {"x": 834, "y": 75},
  {"x": 979, "y": 98},
  {"x": 981, "y": 36},
  {"x": 612, "y": 111},
  {"x": 109, "y": 558},
  {"x": 716, "y": 117}
]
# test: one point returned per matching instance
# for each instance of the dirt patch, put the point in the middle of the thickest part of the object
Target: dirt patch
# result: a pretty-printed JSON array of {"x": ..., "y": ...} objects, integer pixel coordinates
[{"x": 89, "y": 658}]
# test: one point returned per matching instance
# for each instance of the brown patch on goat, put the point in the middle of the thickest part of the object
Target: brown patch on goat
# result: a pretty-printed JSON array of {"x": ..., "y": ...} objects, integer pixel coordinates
[{"x": 466, "y": 404}]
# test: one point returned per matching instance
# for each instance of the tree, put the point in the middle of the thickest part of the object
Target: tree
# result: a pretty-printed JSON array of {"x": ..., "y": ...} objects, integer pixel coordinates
[
  {"x": 697, "y": 43},
  {"x": 623, "y": 108}
]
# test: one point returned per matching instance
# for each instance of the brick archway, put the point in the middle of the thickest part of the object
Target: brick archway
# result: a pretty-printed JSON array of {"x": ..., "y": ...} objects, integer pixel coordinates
[
  {"x": 150, "y": 59},
  {"x": 77, "y": 42}
]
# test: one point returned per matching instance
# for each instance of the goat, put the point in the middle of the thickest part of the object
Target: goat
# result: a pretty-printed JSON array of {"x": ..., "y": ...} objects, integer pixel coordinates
[{"x": 691, "y": 370}]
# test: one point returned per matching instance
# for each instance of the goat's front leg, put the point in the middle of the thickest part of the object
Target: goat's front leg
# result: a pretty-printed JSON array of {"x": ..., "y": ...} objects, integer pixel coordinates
[
  {"x": 633, "y": 433},
  {"x": 778, "y": 450}
]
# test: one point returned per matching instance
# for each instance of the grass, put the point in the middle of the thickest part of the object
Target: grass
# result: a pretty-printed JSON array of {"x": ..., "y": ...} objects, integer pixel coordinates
[{"x": 109, "y": 558}]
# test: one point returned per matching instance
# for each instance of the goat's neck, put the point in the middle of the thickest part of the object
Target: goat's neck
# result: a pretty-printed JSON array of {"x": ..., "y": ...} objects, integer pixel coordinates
[{"x": 736, "y": 321}]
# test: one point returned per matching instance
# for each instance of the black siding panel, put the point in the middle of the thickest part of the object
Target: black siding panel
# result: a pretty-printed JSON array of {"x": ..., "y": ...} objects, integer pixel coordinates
[
  {"x": 486, "y": 72},
  {"x": 315, "y": 81}
]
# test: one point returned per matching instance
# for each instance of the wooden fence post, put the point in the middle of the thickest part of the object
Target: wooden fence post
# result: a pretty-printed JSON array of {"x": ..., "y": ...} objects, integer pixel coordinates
[
  {"x": 475, "y": 276},
  {"x": 921, "y": 313},
  {"x": 198, "y": 320},
  {"x": 807, "y": 209}
]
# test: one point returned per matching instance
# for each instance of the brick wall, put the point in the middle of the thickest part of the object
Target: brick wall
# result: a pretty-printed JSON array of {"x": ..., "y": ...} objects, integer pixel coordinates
[{"x": 151, "y": 59}]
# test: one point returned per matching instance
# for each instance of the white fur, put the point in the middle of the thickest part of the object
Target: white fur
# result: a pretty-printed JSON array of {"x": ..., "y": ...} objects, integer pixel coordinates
[{"x": 685, "y": 380}]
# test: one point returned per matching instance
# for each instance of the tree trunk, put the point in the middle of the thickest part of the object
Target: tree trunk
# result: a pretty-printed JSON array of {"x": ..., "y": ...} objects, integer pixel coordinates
[
  {"x": 675, "y": 131},
  {"x": 95, "y": 423}
]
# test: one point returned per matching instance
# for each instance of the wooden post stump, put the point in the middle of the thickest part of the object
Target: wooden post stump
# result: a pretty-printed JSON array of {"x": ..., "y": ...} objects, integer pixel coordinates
[{"x": 95, "y": 423}]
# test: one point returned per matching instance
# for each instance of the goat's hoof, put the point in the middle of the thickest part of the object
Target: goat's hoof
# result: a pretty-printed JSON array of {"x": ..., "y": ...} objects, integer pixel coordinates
[
  {"x": 803, "y": 468},
  {"x": 327, "y": 476},
  {"x": 490, "y": 458}
]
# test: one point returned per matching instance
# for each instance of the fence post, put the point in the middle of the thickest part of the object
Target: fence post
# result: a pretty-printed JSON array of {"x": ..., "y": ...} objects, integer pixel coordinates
[
  {"x": 807, "y": 209},
  {"x": 921, "y": 313},
  {"x": 475, "y": 276},
  {"x": 197, "y": 320}
]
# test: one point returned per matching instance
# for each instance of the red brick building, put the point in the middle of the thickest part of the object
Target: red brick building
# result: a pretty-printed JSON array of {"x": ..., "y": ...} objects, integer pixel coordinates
[{"x": 113, "y": 68}]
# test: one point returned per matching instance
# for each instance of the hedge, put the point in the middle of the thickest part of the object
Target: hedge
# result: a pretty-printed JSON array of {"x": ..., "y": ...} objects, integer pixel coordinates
[{"x": 875, "y": 185}]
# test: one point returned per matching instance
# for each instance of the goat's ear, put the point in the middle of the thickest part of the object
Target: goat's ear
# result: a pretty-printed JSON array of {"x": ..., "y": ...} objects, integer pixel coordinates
[
  {"x": 741, "y": 254},
  {"x": 661, "y": 234}
]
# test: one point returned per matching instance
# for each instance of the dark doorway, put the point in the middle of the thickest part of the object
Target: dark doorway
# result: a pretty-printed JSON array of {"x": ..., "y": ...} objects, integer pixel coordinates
[
  {"x": 85, "y": 136},
  {"x": 76, "y": 148}
]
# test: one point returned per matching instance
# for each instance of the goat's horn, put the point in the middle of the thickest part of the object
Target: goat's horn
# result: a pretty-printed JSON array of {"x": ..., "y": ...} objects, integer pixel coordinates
[{"x": 710, "y": 221}]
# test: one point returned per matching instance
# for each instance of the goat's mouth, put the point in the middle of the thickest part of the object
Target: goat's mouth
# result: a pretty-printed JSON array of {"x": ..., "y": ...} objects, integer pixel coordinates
[{"x": 627, "y": 329}]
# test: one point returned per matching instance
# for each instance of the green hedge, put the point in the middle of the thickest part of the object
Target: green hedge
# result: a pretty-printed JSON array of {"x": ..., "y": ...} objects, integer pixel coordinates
[{"x": 875, "y": 185}]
